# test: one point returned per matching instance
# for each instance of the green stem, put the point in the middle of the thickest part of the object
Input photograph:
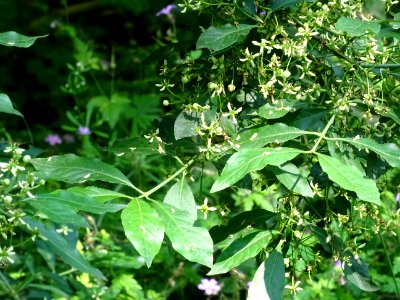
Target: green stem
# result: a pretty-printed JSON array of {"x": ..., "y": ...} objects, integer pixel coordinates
[
  {"x": 390, "y": 264},
  {"x": 332, "y": 119},
  {"x": 156, "y": 188}
]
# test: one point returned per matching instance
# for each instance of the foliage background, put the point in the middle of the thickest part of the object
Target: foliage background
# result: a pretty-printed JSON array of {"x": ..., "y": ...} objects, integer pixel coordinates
[{"x": 120, "y": 46}]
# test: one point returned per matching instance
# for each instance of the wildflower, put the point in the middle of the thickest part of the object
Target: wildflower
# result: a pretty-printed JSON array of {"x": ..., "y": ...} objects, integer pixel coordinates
[
  {"x": 232, "y": 113},
  {"x": 53, "y": 139},
  {"x": 64, "y": 230},
  {"x": 209, "y": 286},
  {"x": 84, "y": 130},
  {"x": 5, "y": 255},
  {"x": 166, "y": 10},
  {"x": 205, "y": 208},
  {"x": 338, "y": 264},
  {"x": 398, "y": 197},
  {"x": 294, "y": 288}
]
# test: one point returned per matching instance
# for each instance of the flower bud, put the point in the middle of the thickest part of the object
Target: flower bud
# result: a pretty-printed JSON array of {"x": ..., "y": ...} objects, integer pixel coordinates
[
  {"x": 26, "y": 159},
  {"x": 165, "y": 103},
  {"x": 231, "y": 87}
]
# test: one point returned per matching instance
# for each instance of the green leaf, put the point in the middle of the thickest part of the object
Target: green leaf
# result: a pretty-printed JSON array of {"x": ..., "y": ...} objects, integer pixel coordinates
[
  {"x": 269, "y": 280},
  {"x": 248, "y": 160},
  {"x": 240, "y": 250},
  {"x": 143, "y": 228},
  {"x": 289, "y": 175},
  {"x": 138, "y": 145},
  {"x": 357, "y": 273},
  {"x": 217, "y": 39},
  {"x": 7, "y": 107},
  {"x": 277, "y": 133},
  {"x": 256, "y": 218},
  {"x": 389, "y": 152},
  {"x": 194, "y": 243},
  {"x": 59, "y": 213},
  {"x": 180, "y": 196},
  {"x": 99, "y": 194},
  {"x": 76, "y": 201},
  {"x": 185, "y": 124},
  {"x": 350, "y": 178},
  {"x": 393, "y": 113},
  {"x": 74, "y": 169},
  {"x": 269, "y": 111},
  {"x": 357, "y": 27},
  {"x": 14, "y": 39},
  {"x": 61, "y": 247},
  {"x": 276, "y": 5}
]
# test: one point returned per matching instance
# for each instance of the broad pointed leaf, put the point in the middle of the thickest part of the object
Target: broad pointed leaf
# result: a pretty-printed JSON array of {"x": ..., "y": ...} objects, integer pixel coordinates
[
  {"x": 74, "y": 169},
  {"x": 240, "y": 250},
  {"x": 7, "y": 107},
  {"x": 256, "y": 218},
  {"x": 138, "y": 145},
  {"x": 99, "y": 194},
  {"x": 180, "y": 196},
  {"x": 357, "y": 27},
  {"x": 143, "y": 228},
  {"x": 389, "y": 152},
  {"x": 276, "y": 5},
  {"x": 277, "y": 133},
  {"x": 194, "y": 243},
  {"x": 350, "y": 178},
  {"x": 58, "y": 212},
  {"x": 248, "y": 160},
  {"x": 357, "y": 273},
  {"x": 269, "y": 280},
  {"x": 217, "y": 39},
  {"x": 289, "y": 175},
  {"x": 76, "y": 201},
  {"x": 14, "y": 39},
  {"x": 61, "y": 247}
]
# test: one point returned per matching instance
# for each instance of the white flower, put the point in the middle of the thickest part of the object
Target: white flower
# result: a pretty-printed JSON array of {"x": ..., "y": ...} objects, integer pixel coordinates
[{"x": 205, "y": 208}]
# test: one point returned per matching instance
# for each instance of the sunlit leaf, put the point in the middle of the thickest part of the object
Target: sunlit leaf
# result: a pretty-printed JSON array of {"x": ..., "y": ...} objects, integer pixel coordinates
[
  {"x": 256, "y": 218},
  {"x": 138, "y": 145},
  {"x": 389, "y": 152},
  {"x": 76, "y": 201},
  {"x": 240, "y": 250},
  {"x": 350, "y": 178},
  {"x": 357, "y": 27},
  {"x": 276, "y": 133},
  {"x": 99, "y": 194},
  {"x": 61, "y": 247},
  {"x": 248, "y": 160},
  {"x": 59, "y": 213},
  {"x": 143, "y": 228},
  {"x": 7, "y": 107},
  {"x": 289, "y": 175},
  {"x": 194, "y": 243},
  {"x": 269, "y": 280},
  {"x": 180, "y": 196},
  {"x": 357, "y": 273},
  {"x": 217, "y": 39},
  {"x": 14, "y": 39},
  {"x": 74, "y": 169}
]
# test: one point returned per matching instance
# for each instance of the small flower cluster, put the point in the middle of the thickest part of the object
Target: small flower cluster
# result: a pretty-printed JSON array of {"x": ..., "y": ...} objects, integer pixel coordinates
[{"x": 54, "y": 139}]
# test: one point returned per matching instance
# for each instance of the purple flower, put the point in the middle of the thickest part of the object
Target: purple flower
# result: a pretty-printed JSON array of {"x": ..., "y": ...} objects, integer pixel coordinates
[
  {"x": 338, "y": 264},
  {"x": 398, "y": 197},
  {"x": 84, "y": 130},
  {"x": 209, "y": 286},
  {"x": 53, "y": 139},
  {"x": 166, "y": 10}
]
